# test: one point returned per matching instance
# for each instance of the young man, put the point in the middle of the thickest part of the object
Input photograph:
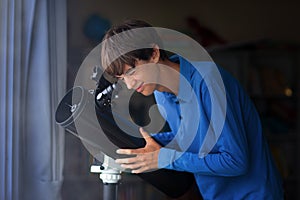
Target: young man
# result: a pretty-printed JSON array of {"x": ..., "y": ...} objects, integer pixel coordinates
[{"x": 233, "y": 162}]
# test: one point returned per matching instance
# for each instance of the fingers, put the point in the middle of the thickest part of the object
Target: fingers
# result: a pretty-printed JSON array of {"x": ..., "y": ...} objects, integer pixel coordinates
[
  {"x": 124, "y": 151},
  {"x": 133, "y": 163},
  {"x": 126, "y": 160},
  {"x": 130, "y": 151},
  {"x": 144, "y": 133},
  {"x": 136, "y": 168},
  {"x": 141, "y": 170},
  {"x": 144, "y": 159},
  {"x": 136, "y": 159},
  {"x": 150, "y": 142},
  {"x": 136, "y": 164}
]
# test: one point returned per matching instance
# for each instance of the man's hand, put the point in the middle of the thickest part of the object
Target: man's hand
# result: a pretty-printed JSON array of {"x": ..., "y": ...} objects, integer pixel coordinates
[{"x": 145, "y": 159}]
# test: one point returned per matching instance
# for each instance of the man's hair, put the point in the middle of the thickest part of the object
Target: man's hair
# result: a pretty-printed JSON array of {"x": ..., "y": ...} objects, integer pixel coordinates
[{"x": 125, "y": 43}]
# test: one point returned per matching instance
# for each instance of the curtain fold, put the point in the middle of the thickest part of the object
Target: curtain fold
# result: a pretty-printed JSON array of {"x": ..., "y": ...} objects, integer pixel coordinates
[{"x": 33, "y": 80}]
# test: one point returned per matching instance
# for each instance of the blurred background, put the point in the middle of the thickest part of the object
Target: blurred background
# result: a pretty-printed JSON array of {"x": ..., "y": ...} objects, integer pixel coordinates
[{"x": 257, "y": 41}]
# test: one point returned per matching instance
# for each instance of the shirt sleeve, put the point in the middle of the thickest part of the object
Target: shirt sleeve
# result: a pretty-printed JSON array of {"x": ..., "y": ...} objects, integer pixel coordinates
[
  {"x": 163, "y": 138},
  {"x": 229, "y": 156},
  {"x": 220, "y": 164}
]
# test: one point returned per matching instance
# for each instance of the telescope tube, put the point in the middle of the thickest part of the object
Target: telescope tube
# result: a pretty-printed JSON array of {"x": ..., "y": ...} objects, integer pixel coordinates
[{"x": 76, "y": 108}]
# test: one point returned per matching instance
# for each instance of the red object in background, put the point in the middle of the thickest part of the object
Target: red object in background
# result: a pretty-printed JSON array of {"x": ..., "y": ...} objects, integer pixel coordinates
[{"x": 205, "y": 36}]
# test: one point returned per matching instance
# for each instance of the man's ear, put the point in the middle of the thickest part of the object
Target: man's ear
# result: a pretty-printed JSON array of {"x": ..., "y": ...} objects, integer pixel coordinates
[{"x": 156, "y": 54}]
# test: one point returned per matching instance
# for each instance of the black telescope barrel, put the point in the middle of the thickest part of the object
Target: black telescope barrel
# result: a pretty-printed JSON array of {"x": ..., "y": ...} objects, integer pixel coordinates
[
  {"x": 107, "y": 121},
  {"x": 76, "y": 113},
  {"x": 173, "y": 183}
]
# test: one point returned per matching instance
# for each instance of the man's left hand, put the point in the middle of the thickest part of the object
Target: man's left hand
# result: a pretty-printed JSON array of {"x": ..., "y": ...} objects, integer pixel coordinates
[{"x": 145, "y": 158}]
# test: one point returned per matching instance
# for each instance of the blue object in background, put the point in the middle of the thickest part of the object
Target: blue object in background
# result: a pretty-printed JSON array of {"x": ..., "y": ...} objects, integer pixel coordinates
[{"x": 95, "y": 27}]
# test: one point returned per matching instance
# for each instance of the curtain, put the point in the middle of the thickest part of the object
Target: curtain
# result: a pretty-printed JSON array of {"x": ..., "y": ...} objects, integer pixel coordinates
[{"x": 32, "y": 82}]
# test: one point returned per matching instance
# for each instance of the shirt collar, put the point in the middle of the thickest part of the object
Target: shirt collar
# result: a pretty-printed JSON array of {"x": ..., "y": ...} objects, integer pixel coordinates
[{"x": 185, "y": 89}]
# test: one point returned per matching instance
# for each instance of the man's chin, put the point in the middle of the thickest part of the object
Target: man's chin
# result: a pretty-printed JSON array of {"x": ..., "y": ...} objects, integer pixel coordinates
[{"x": 146, "y": 93}]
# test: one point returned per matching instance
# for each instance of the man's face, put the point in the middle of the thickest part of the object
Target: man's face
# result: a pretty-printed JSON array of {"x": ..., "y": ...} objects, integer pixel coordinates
[{"x": 142, "y": 78}]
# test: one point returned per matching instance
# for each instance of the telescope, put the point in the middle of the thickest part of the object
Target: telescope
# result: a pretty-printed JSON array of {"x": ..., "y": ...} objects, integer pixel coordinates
[{"x": 88, "y": 115}]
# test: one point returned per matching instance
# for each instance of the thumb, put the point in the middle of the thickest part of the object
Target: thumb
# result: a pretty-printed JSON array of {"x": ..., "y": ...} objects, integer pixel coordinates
[{"x": 144, "y": 133}]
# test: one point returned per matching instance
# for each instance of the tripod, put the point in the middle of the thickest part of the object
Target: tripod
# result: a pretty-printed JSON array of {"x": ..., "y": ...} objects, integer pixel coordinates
[{"x": 110, "y": 177}]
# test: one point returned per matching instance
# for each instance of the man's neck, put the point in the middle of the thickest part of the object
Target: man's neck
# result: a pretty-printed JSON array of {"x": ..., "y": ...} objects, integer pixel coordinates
[{"x": 169, "y": 76}]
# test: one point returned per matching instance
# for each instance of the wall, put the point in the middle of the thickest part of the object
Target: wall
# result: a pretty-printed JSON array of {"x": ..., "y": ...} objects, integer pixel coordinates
[{"x": 233, "y": 20}]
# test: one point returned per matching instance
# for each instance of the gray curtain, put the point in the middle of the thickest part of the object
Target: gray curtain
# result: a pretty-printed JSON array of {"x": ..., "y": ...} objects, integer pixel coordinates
[{"x": 32, "y": 81}]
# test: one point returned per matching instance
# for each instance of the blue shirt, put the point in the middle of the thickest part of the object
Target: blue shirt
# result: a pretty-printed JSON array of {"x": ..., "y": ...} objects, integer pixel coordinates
[{"x": 216, "y": 135}]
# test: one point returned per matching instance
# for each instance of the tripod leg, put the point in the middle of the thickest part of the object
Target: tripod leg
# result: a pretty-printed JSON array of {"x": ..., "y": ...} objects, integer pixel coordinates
[{"x": 110, "y": 191}]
